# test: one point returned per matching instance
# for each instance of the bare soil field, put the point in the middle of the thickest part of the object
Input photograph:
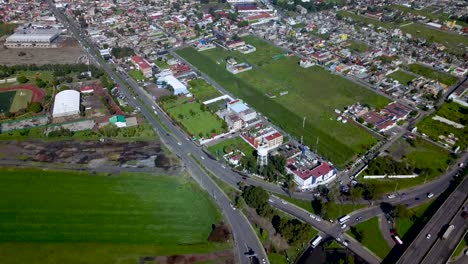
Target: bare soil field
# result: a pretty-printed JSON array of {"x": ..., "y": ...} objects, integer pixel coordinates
[{"x": 69, "y": 52}]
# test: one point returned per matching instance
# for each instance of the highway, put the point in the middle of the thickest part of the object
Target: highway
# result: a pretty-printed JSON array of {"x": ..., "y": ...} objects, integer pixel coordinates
[
  {"x": 245, "y": 238},
  {"x": 186, "y": 150},
  {"x": 438, "y": 251}
]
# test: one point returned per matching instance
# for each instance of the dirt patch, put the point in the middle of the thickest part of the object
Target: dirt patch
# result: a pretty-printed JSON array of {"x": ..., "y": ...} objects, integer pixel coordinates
[
  {"x": 223, "y": 257},
  {"x": 219, "y": 233},
  {"x": 69, "y": 53},
  {"x": 138, "y": 154}
]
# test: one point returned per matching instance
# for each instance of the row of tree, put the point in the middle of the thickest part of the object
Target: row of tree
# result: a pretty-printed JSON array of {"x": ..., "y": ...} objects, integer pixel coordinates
[{"x": 59, "y": 70}]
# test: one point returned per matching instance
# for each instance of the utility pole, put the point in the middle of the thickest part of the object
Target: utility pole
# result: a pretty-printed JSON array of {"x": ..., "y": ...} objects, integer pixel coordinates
[
  {"x": 316, "y": 146},
  {"x": 303, "y": 122}
]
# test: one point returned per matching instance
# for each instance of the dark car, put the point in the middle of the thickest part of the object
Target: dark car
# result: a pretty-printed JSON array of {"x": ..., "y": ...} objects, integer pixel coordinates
[{"x": 417, "y": 198}]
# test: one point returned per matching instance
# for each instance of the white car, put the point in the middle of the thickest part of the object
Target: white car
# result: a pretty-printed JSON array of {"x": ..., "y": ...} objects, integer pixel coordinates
[
  {"x": 345, "y": 243},
  {"x": 343, "y": 226},
  {"x": 312, "y": 216},
  {"x": 178, "y": 143},
  {"x": 263, "y": 261},
  {"x": 202, "y": 157},
  {"x": 428, "y": 236},
  {"x": 430, "y": 195},
  {"x": 391, "y": 196},
  {"x": 318, "y": 219},
  {"x": 283, "y": 202}
]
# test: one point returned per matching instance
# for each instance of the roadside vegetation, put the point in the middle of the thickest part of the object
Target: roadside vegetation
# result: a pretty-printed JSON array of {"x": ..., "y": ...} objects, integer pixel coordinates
[
  {"x": 408, "y": 217},
  {"x": 368, "y": 233},
  {"x": 101, "y": 218},
  {"x": 461, "y": 247}
]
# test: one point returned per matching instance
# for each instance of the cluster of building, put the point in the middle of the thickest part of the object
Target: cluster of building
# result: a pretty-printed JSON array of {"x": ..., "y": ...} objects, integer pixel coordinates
[
  {"x": 382, "y": 120},
  {"x": 263, "y": 136}
]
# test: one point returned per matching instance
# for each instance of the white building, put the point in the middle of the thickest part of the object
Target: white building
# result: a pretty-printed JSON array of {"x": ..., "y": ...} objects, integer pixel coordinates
[
  {"x": 29, "y": 37},
  {"x": 179, "y": 87},
  {"x": 66, "y": 103},
  {"x": 310, "y": 174}
]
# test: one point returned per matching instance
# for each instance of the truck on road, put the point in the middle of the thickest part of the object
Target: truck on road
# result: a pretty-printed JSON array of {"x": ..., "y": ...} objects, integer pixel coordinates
[{"x": 448, "y": 232}]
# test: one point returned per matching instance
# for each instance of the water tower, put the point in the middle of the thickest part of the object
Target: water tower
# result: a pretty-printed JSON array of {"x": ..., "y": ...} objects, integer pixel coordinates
[{"x": 262, "y": 158}]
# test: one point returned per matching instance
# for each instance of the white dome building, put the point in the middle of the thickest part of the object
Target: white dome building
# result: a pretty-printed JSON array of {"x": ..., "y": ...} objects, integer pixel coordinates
[{"x": 66, "y": 103}]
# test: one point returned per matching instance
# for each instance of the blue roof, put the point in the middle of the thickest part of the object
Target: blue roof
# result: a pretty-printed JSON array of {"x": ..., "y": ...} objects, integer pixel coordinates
[{"x": 239, "y": 107}]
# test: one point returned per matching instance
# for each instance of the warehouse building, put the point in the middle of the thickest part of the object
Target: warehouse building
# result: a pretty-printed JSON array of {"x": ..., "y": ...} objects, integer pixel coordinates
[
  {"x": 33, "y": 37},
  {"x": 67, "y": 103}
]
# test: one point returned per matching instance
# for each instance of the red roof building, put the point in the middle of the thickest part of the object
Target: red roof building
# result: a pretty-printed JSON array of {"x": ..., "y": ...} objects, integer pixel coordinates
[{"x": 142, "y": 65}]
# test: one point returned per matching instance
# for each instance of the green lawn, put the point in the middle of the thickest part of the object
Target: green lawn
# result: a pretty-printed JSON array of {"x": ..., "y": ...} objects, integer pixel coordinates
[
  {"x": 161, "y": 64},
  {"x": 423, "y": 155},
  {"x": 276, "y": 258},
  {"x": 452, "y": 111},
  {"x": 332, "y": 210},
  {"x": 403, "y": 224},
  {"x": 56, "y": 217},
  {"x": 7, "y": 29},
  {"x": 313, "y": 93},
  {"x": 461, "y": 247},
  {"x": 234, "y": 143},
  {"x": 427, "y": 72},
  {"x": 136, "y": 75},
  {"x": 201, "y": 122},
  {"x": 202, "y": 90},
  {"x": 358, "y": 46},
  {"x": 6, "y": 100},
  {"x": 402, "y": 77},
  {"x": 21, "y": 100},
  {"x": 372, "y": 237}
]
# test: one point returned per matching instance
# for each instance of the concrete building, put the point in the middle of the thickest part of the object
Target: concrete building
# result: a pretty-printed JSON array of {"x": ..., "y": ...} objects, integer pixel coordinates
[
  {"x": 143, "y": 65},
  {"x": 179, "y": 88},
  {"x": 32, "y": 37},
  {"x": 66, "y": 103},
  {"x": 309, "y": 173}
]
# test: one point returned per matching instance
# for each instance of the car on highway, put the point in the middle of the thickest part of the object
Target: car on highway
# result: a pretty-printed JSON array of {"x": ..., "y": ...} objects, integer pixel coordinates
[
  {"x": 391, "y": 196},
  {"x": 416, "y": 198},
  {"x": 318, "y": 219},
  {"x": 202, "y": 157},
  {"x": 428, "y": 236},
  {"x": 284, "y": 202},
  {"x": 430, "y": 195},
  {"x": 263, "y": 261},
  {"x": 343, "y": 226},
  {"x": 358, "y": 218},
  {"x": 178, "y": 143},
  {"x": 312, "y": 216}
]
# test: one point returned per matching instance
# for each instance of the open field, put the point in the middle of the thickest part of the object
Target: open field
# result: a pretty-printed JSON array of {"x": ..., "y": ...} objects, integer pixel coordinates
[
  {"x": 113, "y": 218},
  {"x": 202, "y": 90},
  {"x": 195, "y": 121},
  {"x": 403, "y": 224},
  {"x": 313, "y": 93},
  {"x": 455, "y": 43},
  {"x": 434, "y": 128},
  {"x": 427, "y": 72},
  {"x": 21, "y": 100},
  {"x": 137, "y": 75},
  {"x": 402, "y": 77},
  {"x": 232, "y": 143},
  {"x": 6, "y": 100},
  {"x": 372, "y": 238},
  {"x": 69, "y": 54},
  {"x": 358, "y": 46},
  {"x": 430, "y": 160},
  {"x": 427, "y": 12},
  {"x": 7, "y": 29}
]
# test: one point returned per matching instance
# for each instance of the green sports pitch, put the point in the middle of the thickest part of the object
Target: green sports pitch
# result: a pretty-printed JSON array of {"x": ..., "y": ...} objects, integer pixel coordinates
[
  {"x": 65, "y": 217},
  {"x": 312, "y": 93},
  {"x": 6, "y": 100}
]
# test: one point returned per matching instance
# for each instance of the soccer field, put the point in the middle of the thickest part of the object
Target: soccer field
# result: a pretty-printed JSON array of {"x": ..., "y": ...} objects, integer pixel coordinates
[
  {"x": 6, "y": 100},
  {"x": 47, "y": 214},
  {"x": 313, "y": 93},
  {"x": 21, "y": 100}
]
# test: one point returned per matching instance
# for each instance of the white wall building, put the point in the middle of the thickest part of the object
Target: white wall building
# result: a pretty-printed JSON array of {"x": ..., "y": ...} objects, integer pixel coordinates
[
  {"x": 179, "y": 87},
  {"x": 66, "y": 103},
  {"x": 32, "y": 38}
]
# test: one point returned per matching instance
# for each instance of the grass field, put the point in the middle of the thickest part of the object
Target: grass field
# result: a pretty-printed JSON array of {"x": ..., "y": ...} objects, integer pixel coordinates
[
  {"x": 366, "y": 20},
  {"x": 402, "y": 77},
  {"x": 358, "y": 46},
  {"x": 372, "y": 237},
  {"x": 56, "y": 217},
  {"x": 313, "y": 93},
  {"x": 136, "y": 75},
  {"x": 452, "y": 111},
  {"x": 463, "y": 243},
  {"x": 276, "y": 258},
  {"x": 427, "y": 72},
  {"x": 6, "y": 100},
  {"x": 200, "y": 122},
  {"x": 202, "y": 90},
  {"x": 423, "y": 155},
  {"x": 236, "y": 142},
  {"x": 21, "y": 100},
  {"x": 7, "y": 29},
  {"x": 403, "y": 224},
  {"x": 333, "y": 210},
  {"x": 427, "y": 13}
]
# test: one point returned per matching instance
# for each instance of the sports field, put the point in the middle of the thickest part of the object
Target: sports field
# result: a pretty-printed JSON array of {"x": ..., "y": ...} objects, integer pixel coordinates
[
  {"x": 65, "y": 217},
  {"x": 197, "y": 122},
  {"x": 313, "y": 93},
  {"x": 6, "y": 99}
]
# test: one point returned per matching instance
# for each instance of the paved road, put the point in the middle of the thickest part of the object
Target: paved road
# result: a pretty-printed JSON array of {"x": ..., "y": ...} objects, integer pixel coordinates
[
  {"x": 448, "y": 212},
  {"x": 244, "y": 235}
]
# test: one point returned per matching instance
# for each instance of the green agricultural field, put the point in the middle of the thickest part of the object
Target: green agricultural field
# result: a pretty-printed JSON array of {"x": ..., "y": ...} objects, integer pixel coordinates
[
  {"x": 6, "y": 100},
  {"x": 64, "y": 217},
  {"x": 136, "y": 75},
  {"x": 313, "y": 93},
  {"x": 429, "y": 159},
  {"x": 403, "y": 224},
  {"x": 233, "y": 143},
  {"x": 21, "y": 100},
  {"x": 402, "y": 77},
  {"x": 427, "y": 72},
  {"x": 372, "y": 237},
  {"x": 195, "y": 121},
  {"x": 202, "y": 90},
  {"x": 454, "y": 112}
]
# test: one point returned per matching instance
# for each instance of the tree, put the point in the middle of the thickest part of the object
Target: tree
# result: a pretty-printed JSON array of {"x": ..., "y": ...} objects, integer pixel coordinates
[
  {"x": 356, "y": 193},
  {"x": 239, "y": 202},
  {"x": 34, "y": 107},
  {"x": 255, "y": 196},
  {"x": 359, "y": 235},
  {"x": 400, "y": 210},
  {"x": 317, "y": 206},
  {"x": 22, "y": 79}
]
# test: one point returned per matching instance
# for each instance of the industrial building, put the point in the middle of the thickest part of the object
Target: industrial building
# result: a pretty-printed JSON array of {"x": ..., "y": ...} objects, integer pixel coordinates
[
  {"x": 309, "y": 173},
  {"x": 33, "y": 37},
  {"x": 67, "y": 103},
  {"x": 179, "y": 87},
  {"x": 261, "y": 136}
]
